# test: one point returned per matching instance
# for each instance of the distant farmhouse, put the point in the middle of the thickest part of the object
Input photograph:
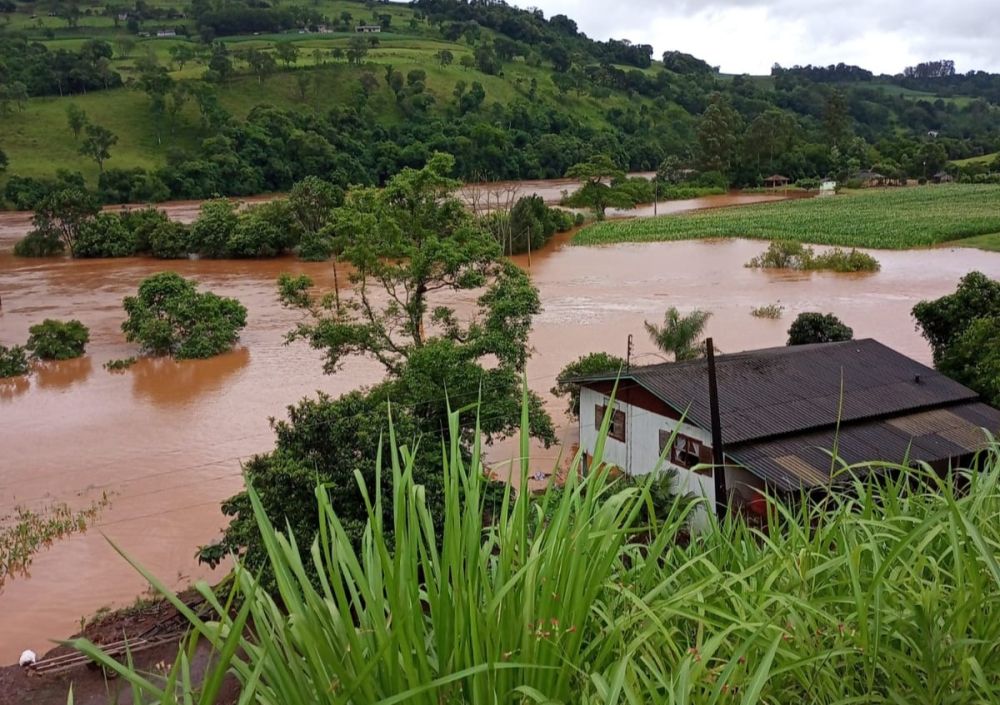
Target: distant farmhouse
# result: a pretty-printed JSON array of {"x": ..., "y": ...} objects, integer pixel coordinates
[
  {"x": 368, "y": 28},
  {"x": 166, "y": 33},
  {"x": 781, "y": 413}
]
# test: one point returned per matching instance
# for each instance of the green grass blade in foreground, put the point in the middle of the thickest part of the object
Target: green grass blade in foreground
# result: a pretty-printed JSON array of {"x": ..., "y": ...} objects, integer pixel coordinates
[{"x": 888, "y": 592}]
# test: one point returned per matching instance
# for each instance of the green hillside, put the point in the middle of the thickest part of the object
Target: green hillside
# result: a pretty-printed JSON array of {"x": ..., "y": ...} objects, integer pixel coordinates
[{"x": 246, "y": 96}]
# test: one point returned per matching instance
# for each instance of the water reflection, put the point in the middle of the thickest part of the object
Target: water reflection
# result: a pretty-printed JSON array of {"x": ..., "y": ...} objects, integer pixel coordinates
[
  {"x": 168, "y": 382},
  {"x": 60, "y": 374}
]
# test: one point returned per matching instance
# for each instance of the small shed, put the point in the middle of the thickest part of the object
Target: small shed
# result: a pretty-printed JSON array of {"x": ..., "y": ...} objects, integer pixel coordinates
[
  {"x": 777, "y": 181},
  {"x": 368, "y": 28},
  {"x": 869, "y": 178},
  {"x": 943, "y": 177}
]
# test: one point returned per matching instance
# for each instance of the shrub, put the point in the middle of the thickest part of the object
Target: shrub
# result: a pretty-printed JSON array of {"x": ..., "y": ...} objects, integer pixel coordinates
[
  {"x": 58, "y": 340},
  {"x": 169, "y": 316},
  {"x": 169, "y": 240},
  {"x": 40, "y": 243},
  {"x": 13, "y": 361},
  {"x": 316, "y": 247},
  {"x": 772, "y": 311},
  {"x": 120, "y": 364},
  {"x": 783, "y": 254},
  {"x": 104, "y": 235},
  {"x": 142, "y": 222},
  {"x": 255, "y": 236},
  {"x": 838, "y": 260},
  {"x": 818, "y": 328},
  {"x": 593, "y": 363},
  {"x": 211, "y": 232}
]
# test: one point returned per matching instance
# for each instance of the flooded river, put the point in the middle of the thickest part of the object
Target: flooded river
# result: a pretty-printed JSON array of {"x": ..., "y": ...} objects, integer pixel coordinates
[{"x": 166, "y": 437}]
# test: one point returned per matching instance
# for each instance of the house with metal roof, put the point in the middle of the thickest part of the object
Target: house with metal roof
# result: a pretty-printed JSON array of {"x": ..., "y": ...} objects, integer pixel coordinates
[{"x": 790, "y": 418}]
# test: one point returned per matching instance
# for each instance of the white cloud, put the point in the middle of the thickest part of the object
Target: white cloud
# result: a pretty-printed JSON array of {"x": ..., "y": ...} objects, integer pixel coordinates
[{"x": 748, "y": 36}]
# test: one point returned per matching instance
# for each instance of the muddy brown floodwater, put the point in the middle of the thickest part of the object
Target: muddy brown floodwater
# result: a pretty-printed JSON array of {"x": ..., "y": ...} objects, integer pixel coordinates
[{"x": 166, "y": 437}]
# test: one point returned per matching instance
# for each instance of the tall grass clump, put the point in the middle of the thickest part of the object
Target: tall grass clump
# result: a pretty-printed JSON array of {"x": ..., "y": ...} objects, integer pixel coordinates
[{"x": 885, "y": 592}]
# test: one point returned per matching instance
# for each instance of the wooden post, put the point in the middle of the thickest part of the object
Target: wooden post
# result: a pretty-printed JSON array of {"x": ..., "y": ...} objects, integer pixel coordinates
[{"x": 718, "y": 452}]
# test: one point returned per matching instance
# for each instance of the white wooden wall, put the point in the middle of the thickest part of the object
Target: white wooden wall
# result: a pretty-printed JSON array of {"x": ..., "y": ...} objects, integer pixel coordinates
[{"x": 640, "y": 453}]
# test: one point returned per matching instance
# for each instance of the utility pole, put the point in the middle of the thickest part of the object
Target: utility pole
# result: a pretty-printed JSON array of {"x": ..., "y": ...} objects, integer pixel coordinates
[
  {"x": 718, "y": 452},
  {"x": 628, "y": 355},
  {"x": 656, "y": 193}
]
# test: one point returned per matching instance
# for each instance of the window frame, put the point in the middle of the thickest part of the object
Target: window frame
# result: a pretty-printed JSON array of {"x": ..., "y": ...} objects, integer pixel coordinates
[{"x": 616, "y": 429}]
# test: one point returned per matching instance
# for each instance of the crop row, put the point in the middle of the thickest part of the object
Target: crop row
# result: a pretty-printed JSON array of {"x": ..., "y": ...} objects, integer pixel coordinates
[{"x": 883, "y": 219}]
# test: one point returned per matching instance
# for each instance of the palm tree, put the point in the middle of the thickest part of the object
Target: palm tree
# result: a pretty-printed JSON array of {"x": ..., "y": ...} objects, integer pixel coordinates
[{"x": 679, "y": 335}]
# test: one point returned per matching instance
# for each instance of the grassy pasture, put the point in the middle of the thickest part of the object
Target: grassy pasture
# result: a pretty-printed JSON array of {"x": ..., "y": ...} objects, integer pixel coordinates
[{"x": 881, "y": 219}]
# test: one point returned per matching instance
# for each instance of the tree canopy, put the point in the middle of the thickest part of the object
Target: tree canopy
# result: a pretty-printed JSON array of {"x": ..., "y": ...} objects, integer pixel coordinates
[
  {"x": 808, "y": 328},
  {"x": 169, "y": 316}
]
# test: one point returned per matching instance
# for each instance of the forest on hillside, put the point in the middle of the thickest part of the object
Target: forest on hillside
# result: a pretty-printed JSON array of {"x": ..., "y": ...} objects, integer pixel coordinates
[{"x": 150, "y": 100}]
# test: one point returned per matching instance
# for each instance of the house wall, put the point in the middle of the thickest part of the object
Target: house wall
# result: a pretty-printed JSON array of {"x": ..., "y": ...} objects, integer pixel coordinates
[{"x": 639, "y": 454}]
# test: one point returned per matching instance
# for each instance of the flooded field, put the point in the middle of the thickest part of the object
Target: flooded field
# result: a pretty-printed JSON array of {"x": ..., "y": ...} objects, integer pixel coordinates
[{"x": 166, "y": 437}]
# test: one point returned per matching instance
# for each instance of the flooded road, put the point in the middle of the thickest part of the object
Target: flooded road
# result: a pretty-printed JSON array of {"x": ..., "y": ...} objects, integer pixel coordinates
[{"x": 167, "y": 437}]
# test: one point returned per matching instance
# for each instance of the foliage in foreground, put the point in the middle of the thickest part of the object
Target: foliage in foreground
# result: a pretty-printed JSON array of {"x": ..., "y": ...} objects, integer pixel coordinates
[
  {"x": 892, "y": 220},
  {"x": 169, "y": 316},
  {"x": 58, "y": 340},
  {"x": 887, "y": 592}
]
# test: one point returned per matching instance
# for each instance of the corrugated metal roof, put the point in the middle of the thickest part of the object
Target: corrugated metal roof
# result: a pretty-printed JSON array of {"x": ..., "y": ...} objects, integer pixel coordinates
[
  {"x": 806, "y": 460},
  {"x": 786, "y": 390}
]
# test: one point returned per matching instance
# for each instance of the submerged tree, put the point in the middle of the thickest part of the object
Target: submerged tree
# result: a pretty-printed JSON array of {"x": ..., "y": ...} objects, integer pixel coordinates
[
  {"x": 598, "y": 191},
  {"x": 58, "y": 340},
  {"x": 809, "y": 328},
  {"x": 169, "y": 316},
  {"x": 680, "y": 336},
  {"x": 64, "y": 214}
]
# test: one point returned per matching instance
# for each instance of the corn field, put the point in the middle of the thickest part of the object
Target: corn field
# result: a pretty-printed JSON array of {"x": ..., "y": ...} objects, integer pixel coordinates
[
  {"x": 888, "y": 592},
  {"x": 889, "y": 219}
]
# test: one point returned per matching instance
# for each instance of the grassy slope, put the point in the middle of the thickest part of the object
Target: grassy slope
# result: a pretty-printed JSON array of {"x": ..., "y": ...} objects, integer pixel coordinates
[
  {"x": 38, "y": 141},
  {"x": 888, "y": 219},
  {"x": 983, "y": 159}
]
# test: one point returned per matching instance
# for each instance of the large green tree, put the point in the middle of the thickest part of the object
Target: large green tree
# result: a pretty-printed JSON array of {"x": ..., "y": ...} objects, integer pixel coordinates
[
  {"x": 963, "y": 329},
  {"x": 719, "y": 132},
  {"x": 97, "y": 144},
  {"x": 412, "y": 247},
  {"x": 65, "y": 213},
  {"x": 942, "y": 321},
  {"x": 598, "y": 190}
]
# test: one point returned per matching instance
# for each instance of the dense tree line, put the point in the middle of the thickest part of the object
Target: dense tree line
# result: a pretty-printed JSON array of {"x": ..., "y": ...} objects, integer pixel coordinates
[{"x": 41, "y": 71}]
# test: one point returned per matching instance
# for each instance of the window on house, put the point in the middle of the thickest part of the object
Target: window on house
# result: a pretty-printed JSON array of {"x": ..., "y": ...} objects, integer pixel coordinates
[
  {"x": 616, "y": 429},
  {"x": 686, "y": 452}
]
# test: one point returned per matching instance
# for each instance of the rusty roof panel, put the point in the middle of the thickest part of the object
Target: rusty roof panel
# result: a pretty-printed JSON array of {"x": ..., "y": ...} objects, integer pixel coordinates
[{"x": 793, "y": 462}]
